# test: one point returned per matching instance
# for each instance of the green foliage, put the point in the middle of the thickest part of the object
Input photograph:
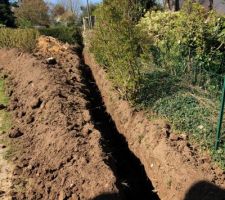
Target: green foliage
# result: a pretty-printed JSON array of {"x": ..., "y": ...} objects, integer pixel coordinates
[
  {"x": 84, "y": 9},
  {"x": 6, "y": 15},
  {"x": 160, "y": 63},
  {"x": 4, "y": 116},
  {"x": 23, "y": 39},
  {"x": 155, "y": 85},
  {"x": 24, "y": 23},
  {"x": 186, "y": 43},
  {"x": 188, "y": 114},
  {"x": 184, "y": 50},
  {"x": 34, "y": 12},
  {"x": 196, "y": 115},
  {"x": 71, "y": 34},
  {"x": 6, "y": 123},
  {"x": 116, "y": 43}
]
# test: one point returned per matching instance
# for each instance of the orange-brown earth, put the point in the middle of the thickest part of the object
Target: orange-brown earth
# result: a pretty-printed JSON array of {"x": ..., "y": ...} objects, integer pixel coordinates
[
  {"x": 177, "y": 169},
  {"x": 60, "y": 154}
]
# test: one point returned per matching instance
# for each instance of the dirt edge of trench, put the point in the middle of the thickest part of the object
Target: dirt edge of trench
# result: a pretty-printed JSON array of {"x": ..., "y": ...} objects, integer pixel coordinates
[{"x": 175, "y": 168}]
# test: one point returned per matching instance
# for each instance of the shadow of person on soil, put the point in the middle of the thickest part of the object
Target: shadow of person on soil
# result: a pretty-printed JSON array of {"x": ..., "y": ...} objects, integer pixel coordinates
[
  {"x": 204, "y": 190},
  {"x": 108, "y": 196}
]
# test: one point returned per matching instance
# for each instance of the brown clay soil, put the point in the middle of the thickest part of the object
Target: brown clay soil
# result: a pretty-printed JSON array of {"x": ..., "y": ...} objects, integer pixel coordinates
[
  {"x": 177, "y": 169},
  {"x": 67, "y": 146},
  {"x": 59, "y": 155}
]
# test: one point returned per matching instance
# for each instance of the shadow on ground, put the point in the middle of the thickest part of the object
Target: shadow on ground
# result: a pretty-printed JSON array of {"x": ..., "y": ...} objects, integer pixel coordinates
[
  {"x": 201, "y": 190},
  {"x": 108, "y": 196},
  {"x": 156, "y": 85},
  {"x": 204, "y": 190}
]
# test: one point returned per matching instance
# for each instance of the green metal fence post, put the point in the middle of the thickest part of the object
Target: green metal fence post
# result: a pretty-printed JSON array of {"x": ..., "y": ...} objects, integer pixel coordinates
[{"x": 218, "y": 132}]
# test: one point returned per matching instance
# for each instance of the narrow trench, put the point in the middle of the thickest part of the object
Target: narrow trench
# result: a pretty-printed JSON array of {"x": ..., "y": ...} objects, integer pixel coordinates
[{"x": 132, "y": 180}]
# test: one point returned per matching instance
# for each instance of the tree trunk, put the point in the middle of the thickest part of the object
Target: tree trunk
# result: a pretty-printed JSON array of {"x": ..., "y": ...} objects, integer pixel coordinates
[
  {"x": 177, "y": 5},
  {"x": 210, "y": 4},
  {"x": 168, "y": 2}
]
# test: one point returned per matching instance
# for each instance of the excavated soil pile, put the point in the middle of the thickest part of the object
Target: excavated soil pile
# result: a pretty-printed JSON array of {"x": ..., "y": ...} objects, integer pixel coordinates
[{"x": 59, "y": 154}]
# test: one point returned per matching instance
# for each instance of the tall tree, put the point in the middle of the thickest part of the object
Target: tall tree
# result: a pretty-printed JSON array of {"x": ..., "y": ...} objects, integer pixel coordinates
[
  {"x": 71, "y": 5},
  {"x": 35, "y": 12},
  {"x": 6, "y": 15},
  {"x": 58, "y": 10}
]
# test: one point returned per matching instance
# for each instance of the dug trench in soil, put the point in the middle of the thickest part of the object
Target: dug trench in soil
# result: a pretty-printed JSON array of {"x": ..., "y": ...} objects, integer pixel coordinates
[
  {"x": 61, "y": 152},
  {"x": 131, "y": 179},
  {"x": 131, "y": 176},
  {"x": 59, "y": 155},
  {"x": 177, "y": 169}
]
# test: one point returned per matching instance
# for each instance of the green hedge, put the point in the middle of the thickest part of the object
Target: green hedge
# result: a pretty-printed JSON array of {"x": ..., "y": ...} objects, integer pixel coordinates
[
  {"x": 115, "y": 43},
  {"x": 23, "y": 39},
  {"x": 71, "y": 34}
]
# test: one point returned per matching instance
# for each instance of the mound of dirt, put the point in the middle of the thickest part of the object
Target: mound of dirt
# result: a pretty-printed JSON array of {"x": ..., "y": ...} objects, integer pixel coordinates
[{"x": 59, "y": 155}]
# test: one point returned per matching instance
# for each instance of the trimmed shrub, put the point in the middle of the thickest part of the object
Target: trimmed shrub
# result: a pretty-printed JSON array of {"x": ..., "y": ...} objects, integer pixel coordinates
[
  {"x": 23, "y": 39},
  {"x": 71, "y": 34},
  {"x": 115, "y": 43}
]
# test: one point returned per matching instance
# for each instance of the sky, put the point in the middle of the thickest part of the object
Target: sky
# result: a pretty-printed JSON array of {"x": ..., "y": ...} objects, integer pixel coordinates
[{"x": 83, "y": 1}]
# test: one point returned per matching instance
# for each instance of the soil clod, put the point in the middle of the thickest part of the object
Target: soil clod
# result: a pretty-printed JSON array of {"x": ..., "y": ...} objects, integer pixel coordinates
[
  {"x": 2, "y": 107},
  {"x": 36, "y": 103},
  {"x": 15, "y": 133},
  {"x": 2, "y": 192}
]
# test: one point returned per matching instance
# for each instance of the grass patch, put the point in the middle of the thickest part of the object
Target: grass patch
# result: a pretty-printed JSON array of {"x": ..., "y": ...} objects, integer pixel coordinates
[
  {"x": 5, "y": 123},
  {"x": 4, "y": 116},
  {"x": 189, "y": 109},
  {"x": 23, "y": 39}
]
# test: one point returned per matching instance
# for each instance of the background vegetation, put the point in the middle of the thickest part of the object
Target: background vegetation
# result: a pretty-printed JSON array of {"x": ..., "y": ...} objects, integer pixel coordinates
[
  {"x": 23, "y": 39},
  {"x": 6, "y": 15},
  {"x": 71, "y": 34},
  {"x": 169, "y": 62},
  {"x": 116, "y": 43},
  {"x": 30, "y": 13},
  {"x": 33, "y": 18}
]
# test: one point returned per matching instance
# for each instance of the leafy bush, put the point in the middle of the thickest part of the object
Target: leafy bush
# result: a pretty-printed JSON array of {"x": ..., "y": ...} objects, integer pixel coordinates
[
  {"x": 115, "y": 43},
  {"x": 71, "y": 34},
  {"x": 24, "y": 23},
  {"x": 184, "y": 49},
  {"x": 186, "y": 43},
  {"x": 161, "y": 62},
  {"x": 23, "y": 39}
]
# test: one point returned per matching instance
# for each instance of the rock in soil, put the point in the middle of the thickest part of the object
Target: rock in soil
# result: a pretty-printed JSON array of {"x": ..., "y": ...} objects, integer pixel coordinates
[
  {"x": 51, "y": 61},
  {"x": 35, "y": 103}
]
